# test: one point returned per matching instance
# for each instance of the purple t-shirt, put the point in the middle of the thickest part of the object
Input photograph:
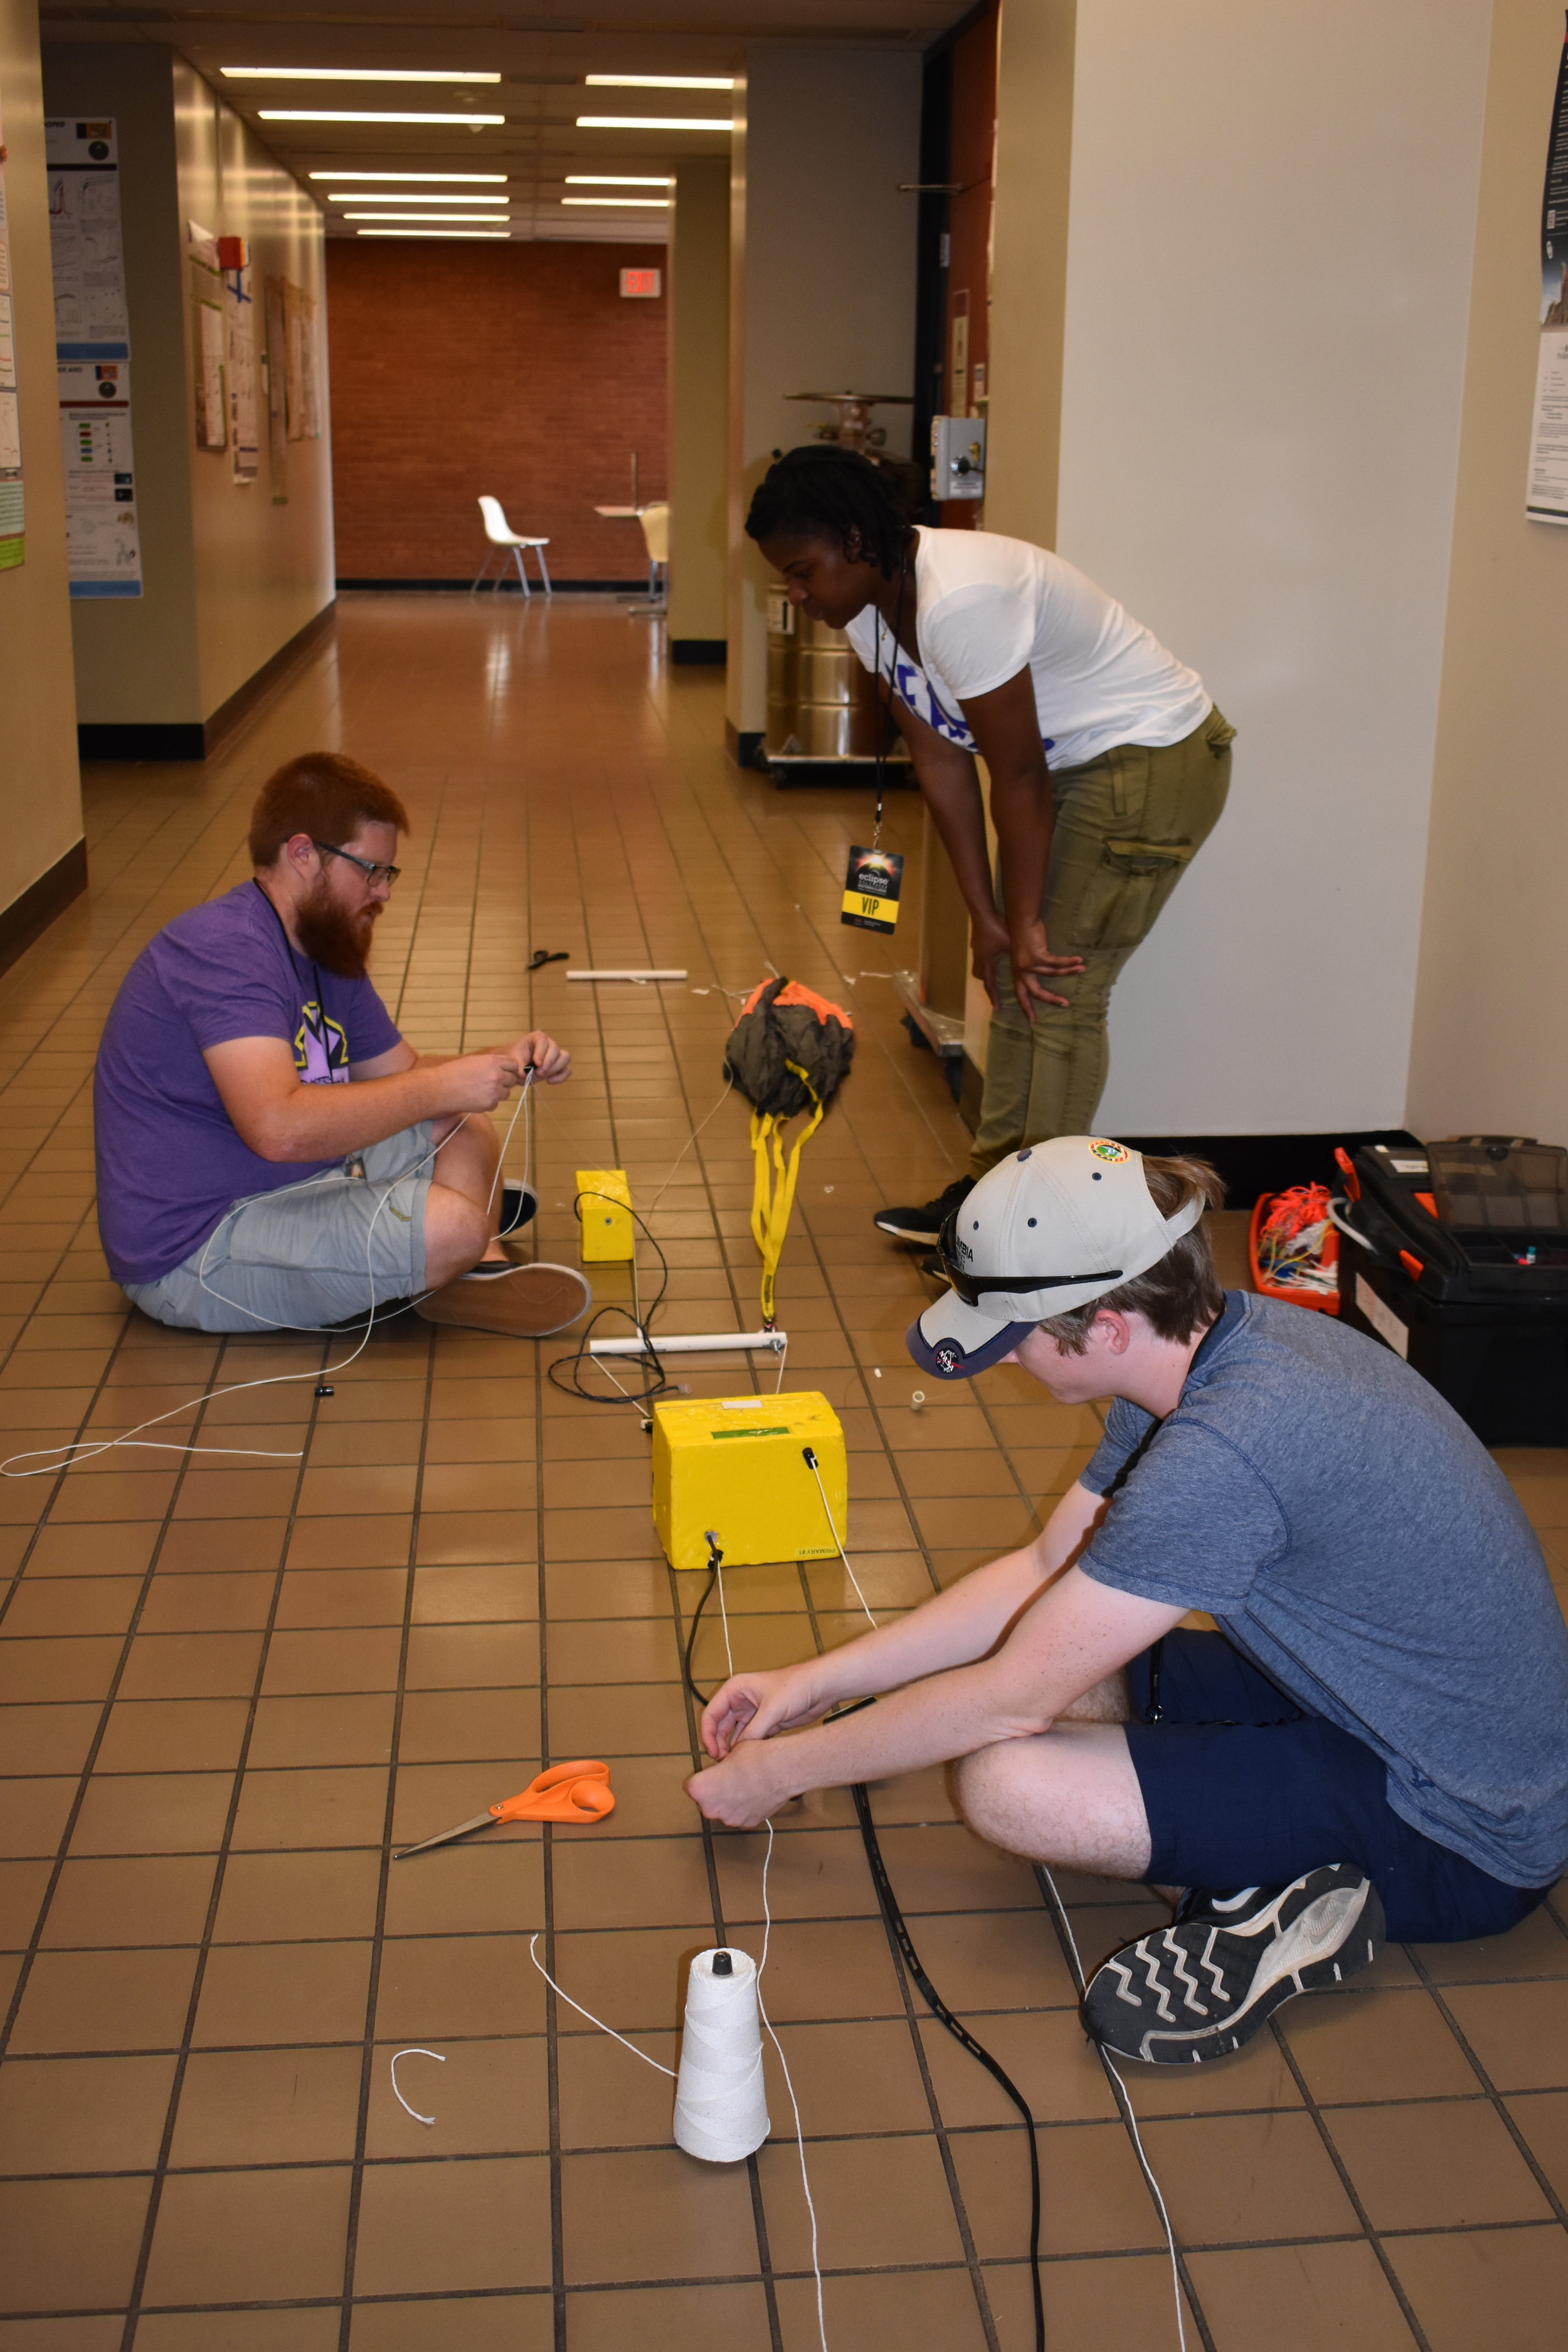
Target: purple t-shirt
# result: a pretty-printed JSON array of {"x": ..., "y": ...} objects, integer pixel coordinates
[{"x": 169, "y": 1160}]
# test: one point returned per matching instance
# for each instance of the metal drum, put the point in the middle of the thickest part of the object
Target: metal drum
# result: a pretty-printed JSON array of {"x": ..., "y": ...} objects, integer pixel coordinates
[{"x": 822, "y": 705}]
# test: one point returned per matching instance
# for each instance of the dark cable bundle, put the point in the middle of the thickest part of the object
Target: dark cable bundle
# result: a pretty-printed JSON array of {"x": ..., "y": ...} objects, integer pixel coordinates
[
  {"x": 655, "y": 1382},
  {"x": 960, "y": 2032}
]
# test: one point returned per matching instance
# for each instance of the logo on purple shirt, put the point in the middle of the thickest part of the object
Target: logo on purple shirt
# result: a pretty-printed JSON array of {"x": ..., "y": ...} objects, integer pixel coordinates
[{"x": 321, "y": 1049}]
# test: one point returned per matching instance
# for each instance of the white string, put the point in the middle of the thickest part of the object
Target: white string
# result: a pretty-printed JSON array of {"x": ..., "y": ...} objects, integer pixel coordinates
[
  {"x": 52, "y": 1459},
  {"x": 842, "y": 1553},
  {"x": 724, "y": 1615},
  {"x": 415, "y": 2053},
  {"x": 1125, "y": 2104},
  {"x": 783, "y": 1352},
  {"x": 729, "y": 1084},
  {"x": 794, "y": 2103},
  {"x": 588, "y": 2013}
]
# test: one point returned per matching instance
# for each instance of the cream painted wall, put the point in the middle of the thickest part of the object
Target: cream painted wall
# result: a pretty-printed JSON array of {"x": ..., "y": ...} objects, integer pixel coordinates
[
  {"x": 263, "y": 571},
  {"x": 39, "y": 780},
  {"x": 699, "y": 263},
  {"x": 823, "y": 283},
  {"x": 229, "y": 577},
  {"x": 1269, "y": 243},
  {"x": 1492, "y": 991}
]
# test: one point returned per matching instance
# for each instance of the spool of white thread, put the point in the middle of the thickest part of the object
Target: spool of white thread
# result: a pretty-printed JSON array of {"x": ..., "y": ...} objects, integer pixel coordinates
[{"x": 721, "y": 2102}]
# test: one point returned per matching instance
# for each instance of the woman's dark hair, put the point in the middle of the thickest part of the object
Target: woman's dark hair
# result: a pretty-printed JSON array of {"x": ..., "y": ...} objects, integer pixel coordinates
[
  {"x": 825, "y": 492},
  {"x": 1181, "y": 1293}
]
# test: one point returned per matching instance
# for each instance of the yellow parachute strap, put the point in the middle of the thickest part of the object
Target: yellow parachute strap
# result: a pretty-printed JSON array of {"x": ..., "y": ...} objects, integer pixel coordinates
[{"x": 773, "y": 1190}]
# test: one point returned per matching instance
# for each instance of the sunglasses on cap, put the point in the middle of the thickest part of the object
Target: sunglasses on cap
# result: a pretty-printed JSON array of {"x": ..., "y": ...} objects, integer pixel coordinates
[{"x": 973, "y": 1287}]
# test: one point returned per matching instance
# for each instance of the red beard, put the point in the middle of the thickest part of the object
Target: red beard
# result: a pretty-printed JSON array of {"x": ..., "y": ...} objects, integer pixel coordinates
[{"x": 337, "y": 940}]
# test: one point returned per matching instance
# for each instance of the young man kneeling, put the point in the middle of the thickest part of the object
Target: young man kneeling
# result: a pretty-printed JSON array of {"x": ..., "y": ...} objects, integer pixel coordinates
[
  {"x": 272, "y": 1153},
  {"x": 1378, "y": 1730}
]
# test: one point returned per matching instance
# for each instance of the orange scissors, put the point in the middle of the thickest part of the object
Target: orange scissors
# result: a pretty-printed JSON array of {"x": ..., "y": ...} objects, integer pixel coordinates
[{"x": 565, "y": 1792}]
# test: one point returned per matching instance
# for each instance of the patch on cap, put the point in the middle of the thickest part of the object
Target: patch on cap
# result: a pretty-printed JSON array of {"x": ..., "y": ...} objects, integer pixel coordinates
[
  {"x": 1113, "y": 1154},
  {"x": 950, "y": 1357}
]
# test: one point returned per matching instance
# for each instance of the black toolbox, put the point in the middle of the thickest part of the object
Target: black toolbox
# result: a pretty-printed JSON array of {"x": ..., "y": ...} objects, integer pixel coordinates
[{"x": 1455, "y": 1257}]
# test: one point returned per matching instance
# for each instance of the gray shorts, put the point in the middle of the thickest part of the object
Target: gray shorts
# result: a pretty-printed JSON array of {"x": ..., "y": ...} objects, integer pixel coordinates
[{"x": 309, "y": 1254}]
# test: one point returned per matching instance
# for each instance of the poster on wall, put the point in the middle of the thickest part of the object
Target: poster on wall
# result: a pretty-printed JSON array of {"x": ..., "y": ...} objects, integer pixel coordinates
[
  {"x": 275, "y": 362},
  {"x": 102, "y": 544},
  {"x": 302, "y": 395},
  {"x": 1546, "y": 498},
  {"x": 211, "y": 395},
  {"x": 240, "y": 364},
  {"x": 12, "y": 543},
  {"x": 91, "y": 321}
]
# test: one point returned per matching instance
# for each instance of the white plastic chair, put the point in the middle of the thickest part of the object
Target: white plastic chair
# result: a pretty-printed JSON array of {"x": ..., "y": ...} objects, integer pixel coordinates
[
  {"x": 500, "y": 533},
  {"x": 655, "y": 521}
]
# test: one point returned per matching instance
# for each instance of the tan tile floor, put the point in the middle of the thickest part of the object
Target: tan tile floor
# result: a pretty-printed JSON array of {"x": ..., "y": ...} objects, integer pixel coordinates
[{"x": 224, "y": 1686}]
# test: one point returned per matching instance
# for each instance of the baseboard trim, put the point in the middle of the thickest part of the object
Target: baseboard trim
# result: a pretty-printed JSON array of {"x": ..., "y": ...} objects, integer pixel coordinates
[
  {"x": 199, "y": 739},
  {"x": 508, "y": 587},
  {"x": 700, "y": 652},
  {"x": 744, "y": 747},
  {"x": 1254, "y": 1164},
  {"x": 28, "y": 917}
]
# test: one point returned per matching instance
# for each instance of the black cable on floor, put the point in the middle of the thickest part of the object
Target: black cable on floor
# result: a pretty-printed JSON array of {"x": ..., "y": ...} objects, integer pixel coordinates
[
  {"x": 655, "y": 1382},
  {"x": 700, "y": 1697},
  {"x": 944, "y": 2016}
]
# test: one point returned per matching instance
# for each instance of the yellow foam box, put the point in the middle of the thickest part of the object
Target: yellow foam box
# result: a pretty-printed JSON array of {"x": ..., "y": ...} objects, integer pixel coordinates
[
  {"x": 609, "y": 1237},
  {"x": 736, "y": 1465}
]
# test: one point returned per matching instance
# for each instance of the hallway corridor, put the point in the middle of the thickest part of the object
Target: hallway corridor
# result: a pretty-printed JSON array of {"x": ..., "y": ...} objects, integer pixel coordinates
[{"x": 229, "y": 1683}]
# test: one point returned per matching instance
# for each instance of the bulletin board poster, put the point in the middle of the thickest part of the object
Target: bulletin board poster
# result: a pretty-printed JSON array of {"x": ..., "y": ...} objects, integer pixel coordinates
[
  {"x": 212, "y": 388},
  {"x": 239, "y": 366},
  {"x": 12, "y": 543},
  {"x": 103, "y": 543},
  {"x": 1546, "y": 498},
  {"x": 276, "y": 369},
  {"x": 91, "y": 321}
]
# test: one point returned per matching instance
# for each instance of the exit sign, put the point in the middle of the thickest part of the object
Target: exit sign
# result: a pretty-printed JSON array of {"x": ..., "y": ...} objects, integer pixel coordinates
[{"x": 647, "y": 283}]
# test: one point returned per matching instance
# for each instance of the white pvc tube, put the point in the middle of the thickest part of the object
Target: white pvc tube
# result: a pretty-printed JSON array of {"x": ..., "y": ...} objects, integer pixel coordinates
[
  {"x": 690, "y": 1343},
  {"x": 626, "y": 975}
]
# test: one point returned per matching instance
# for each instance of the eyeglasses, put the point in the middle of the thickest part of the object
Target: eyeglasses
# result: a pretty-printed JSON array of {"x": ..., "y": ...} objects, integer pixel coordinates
[
  {"x": 973, "y": 1287},
  {"x": 372, "y": 872}
]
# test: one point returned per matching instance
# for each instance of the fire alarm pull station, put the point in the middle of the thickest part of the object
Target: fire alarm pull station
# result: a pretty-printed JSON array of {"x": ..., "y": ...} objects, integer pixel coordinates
[{"x": 958, "y": 457}]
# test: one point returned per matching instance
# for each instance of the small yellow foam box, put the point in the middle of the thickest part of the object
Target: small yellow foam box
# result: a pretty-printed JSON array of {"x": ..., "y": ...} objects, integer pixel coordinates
[
  {"x": 736, "y": 1465},
  {"x": 609, "y": 1236}
]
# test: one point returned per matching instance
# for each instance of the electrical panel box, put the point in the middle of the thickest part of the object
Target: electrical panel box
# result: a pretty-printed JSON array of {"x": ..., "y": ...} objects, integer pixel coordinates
[
  {"x": 605, "y": 1206},
  {"x": 736, "y": 1465},
  {"x": 958, "y": 457}
]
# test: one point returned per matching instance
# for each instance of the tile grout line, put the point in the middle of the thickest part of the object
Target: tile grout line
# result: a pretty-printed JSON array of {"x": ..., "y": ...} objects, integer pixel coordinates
[
  {"x": 1499, "y": 2104},
  {"x": 161, "y": 2168},
  {"x": 373, "y": 1988}
]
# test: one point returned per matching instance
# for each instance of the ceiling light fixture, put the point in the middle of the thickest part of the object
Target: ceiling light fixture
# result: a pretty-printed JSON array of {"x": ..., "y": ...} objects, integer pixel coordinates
[
  {"x": 617, "y": 180},
  {"x": 623, "y": 204},
  {"x": 504, "y": 234},
  {"x": 653, "y": 122},
  {"x": 474, "y": 220},
  {"x": 324, "y": 114},
  {"x": 470, "y": 179},
  {"x": 345, "y": 73},
  {"x": 408, "y": 196},
  {"x": 661, "y": 81}
]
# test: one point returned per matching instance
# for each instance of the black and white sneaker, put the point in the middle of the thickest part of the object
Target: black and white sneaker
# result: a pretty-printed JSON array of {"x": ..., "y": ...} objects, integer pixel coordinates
[
  {"x": 518, "y": 1204},
  {"x": 924, "y": 1225},
  {"x": 1203, "y": 1986}
]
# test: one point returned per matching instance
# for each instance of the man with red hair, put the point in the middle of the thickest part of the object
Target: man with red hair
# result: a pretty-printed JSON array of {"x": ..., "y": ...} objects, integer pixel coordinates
[{"x": 272, "y": 1154}]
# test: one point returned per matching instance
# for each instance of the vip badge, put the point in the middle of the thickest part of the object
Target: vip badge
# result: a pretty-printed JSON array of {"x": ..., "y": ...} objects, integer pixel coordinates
[{"x": 871, "y": 890}]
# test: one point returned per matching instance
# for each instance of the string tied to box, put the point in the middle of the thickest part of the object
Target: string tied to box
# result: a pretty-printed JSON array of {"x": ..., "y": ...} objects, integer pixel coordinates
[{"x": 788, "y": 1052}]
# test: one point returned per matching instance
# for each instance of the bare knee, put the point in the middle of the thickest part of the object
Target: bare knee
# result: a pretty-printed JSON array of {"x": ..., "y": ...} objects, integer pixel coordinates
[
  {"x": 457, "y": 1235},
  {"x": 983, "y": 1784}
]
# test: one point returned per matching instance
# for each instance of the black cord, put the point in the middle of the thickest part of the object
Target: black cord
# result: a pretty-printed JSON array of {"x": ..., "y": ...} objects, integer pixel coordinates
[
  {"x": 657, "y": 1382},
  {"x": 944, "y": 2016},
  {"x": 714, "y": 1556}
]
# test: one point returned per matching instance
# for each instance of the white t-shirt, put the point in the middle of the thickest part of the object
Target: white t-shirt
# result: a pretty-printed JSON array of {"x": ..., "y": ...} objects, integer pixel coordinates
[{"x": 986, "y": 606}]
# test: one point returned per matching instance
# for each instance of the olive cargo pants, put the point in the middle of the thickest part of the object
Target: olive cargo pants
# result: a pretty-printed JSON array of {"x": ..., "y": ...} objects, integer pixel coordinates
[{"x": 1127, "y": 825}]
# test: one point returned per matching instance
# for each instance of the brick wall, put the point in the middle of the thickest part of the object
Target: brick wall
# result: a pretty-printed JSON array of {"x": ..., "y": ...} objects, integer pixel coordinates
[{"x": 513, "y": 369}]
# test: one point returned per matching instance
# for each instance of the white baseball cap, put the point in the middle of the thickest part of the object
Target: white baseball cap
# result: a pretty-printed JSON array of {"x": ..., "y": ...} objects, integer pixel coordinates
[{"x": 1048, "y": 1229}]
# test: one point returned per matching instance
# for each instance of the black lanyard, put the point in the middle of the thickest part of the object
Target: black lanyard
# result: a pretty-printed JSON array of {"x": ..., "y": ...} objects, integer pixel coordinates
[
  {"x": 888, "y": 722},
  {"x": 289, "y": 951}
]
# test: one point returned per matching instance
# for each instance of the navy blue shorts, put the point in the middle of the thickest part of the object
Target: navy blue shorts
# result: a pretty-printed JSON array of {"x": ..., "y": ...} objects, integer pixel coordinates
[{"x": 1243, "y": 1788}]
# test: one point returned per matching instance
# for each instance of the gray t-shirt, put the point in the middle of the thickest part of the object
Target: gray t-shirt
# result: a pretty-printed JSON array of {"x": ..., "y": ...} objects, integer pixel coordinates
[{"x": 1351, "y": 1537}]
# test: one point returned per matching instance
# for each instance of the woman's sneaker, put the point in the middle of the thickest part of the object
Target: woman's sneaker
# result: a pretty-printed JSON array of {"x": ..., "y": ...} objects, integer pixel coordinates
[
  {"x": 1203, "y": 1986},
  {"x": 924, "y": 1223}
]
